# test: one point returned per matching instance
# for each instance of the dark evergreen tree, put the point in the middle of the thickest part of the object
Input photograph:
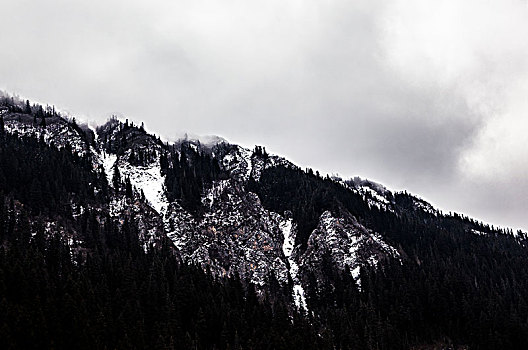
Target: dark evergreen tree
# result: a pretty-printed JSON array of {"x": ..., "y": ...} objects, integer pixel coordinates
[
  {"x": 128, "y": 188},
  {"x": 116, "y": 178},
  {"x": 28, "y": 108}
]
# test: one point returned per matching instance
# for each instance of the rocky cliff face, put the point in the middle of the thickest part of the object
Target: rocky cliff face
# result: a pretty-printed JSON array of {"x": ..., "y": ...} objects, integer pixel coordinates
[
  {"x": 348, "y": 244},
  {"x": 233, "y": 233}
]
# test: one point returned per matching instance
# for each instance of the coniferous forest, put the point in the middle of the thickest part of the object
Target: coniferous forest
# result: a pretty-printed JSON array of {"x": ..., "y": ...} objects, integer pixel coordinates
[
  {"x": 450, "y": 288},
  {"x": 113, "y": 294}
]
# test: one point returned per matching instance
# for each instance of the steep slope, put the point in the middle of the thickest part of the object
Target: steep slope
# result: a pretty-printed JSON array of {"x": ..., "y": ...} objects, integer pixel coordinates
[
  {"x": 365, "y": 265},
  {"x": 233, "y": 234}
]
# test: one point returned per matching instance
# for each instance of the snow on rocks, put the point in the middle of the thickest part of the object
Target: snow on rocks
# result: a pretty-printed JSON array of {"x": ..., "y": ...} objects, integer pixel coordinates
[
  {"x": 214, "y": 193},
  {"x": 108, "y": 160},
  {"x": 242, "y": 164},
  {"x": 58, "y": 132},
  {"x": 149, "y": 180},
  {"x": 179, "y": 225},
  {"x": 238, "y": 163},
  {"x": 287, "y": 228},
  {"x": 235, "y": 234},
  {"x": 478, "y": 232},
  {"x": 420, "y": 204},
  {"x": 373, "y": 197},
  {"x": 348, "y": 243},
  {"x": 261, "y": 163}
]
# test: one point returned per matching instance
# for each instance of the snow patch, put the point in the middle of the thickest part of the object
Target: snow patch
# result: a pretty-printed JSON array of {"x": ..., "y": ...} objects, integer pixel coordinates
[
  {"x": 149, "y": 180},
  {"x": 287, "y": 248},
  {"x": 375, "y": 195},
  {"x": 478, "y": 233},
  {"x": 108, "y": 161},
  {"x": 355, "y": 274}
]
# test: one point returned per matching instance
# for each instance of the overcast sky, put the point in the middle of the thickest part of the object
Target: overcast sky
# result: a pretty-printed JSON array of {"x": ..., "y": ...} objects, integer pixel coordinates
[{"x": 428, "y": 96}]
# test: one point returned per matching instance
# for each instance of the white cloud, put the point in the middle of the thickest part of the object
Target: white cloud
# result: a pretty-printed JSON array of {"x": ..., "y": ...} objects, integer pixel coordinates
[
  {"x": 476, "y": 51},
  {"x": 422, "y": 95}
]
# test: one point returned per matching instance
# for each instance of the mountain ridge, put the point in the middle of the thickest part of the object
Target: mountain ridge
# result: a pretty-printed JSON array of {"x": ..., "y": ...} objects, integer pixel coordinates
[
  {"x": 242, "y": 164},
  {"x": 313, "y": 243}
]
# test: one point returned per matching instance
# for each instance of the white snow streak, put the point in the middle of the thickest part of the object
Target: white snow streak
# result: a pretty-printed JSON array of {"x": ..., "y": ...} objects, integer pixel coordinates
[
  {"x": 287, "y": 248},
  {"x": 108, "y": 160}
]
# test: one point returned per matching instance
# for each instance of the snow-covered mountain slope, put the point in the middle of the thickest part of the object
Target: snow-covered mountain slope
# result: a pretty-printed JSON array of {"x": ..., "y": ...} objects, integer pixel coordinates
[
  {"x": 236, "y": 234},
  {"x": 57, "y": 131},
  {"x": 146, "y": 179},
  {"x": 243, "y": 164},
  {"x": 233, "y": 233},
  {"x": 347, "y": 243}
]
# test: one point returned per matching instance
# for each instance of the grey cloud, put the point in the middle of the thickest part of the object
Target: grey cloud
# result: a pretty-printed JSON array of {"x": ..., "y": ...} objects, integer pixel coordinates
[{"x": 314, "y": 83}]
